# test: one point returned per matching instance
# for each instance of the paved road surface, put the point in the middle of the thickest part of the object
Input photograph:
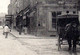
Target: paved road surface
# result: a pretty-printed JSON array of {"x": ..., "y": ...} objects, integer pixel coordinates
[
  {"x": 10, "y": 46},
  {"x": 31, "y": 46}
]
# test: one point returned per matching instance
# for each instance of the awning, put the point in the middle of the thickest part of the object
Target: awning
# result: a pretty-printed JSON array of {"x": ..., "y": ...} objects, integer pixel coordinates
[
  {"x": 28, "y": 10},
  {"x": 31, "y": 14},
  {"x": 24, "y": 11}
]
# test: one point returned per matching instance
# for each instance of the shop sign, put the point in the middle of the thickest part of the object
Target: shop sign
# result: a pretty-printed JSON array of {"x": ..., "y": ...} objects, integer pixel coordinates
[{"x": 8, "y": 16}]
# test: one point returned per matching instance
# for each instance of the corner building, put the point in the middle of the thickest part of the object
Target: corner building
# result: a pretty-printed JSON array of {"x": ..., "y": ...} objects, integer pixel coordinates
[
  {"x": 41, "y": 15},
  {"x": 47, "y": 12}
]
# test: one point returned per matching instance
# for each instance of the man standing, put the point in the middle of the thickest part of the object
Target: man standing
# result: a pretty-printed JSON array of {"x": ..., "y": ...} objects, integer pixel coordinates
[
  {"x": 20, "y": 29},
  {"x": 75, "y": 34},
  {"x": 72, "y": 34}
]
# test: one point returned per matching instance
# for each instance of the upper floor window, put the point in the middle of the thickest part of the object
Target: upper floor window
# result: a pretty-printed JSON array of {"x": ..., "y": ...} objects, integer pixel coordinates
[
  {"x": 74, "y": 12},
  {"x": 67, "y": 12},
  {"x": 54, "y": 14}
]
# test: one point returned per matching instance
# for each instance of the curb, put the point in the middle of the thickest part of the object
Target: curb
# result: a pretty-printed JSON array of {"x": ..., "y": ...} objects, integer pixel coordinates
[
  {"x": 13, "y": 35},
  {"x": 31, "y": 52}
]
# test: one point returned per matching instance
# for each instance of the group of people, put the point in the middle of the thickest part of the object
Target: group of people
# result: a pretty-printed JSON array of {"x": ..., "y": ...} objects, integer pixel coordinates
[{"x": 72, "y": 35}]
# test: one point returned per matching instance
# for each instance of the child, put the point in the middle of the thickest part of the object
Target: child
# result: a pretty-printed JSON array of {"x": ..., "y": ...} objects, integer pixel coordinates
[{"x": 6, "y": 30}]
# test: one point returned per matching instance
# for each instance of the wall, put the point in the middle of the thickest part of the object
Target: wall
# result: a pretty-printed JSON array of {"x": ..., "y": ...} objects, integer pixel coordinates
[
  {"x": 9, "y": 9},
  {"x": 44, "y": 20}
]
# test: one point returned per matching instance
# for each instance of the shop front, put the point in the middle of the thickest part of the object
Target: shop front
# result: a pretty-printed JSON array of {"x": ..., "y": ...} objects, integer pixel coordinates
[{"x": 47, "y": 17}]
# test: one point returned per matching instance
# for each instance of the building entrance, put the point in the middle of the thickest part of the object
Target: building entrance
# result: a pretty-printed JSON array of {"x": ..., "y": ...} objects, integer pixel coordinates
[{"x": 54, "y": 17}]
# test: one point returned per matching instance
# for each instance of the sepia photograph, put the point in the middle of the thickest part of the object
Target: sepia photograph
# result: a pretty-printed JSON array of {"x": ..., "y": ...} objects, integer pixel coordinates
[{"x": 40, "y": 27}]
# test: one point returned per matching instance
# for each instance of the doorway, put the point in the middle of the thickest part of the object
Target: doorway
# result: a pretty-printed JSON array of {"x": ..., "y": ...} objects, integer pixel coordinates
[{"x": 54, "y": 17}]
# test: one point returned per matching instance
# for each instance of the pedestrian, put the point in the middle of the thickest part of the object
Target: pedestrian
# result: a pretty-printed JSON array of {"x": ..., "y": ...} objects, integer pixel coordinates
[
  {"x": 20, "y": 29},
  {"x": 72, "y": 35},
  {"x": 6, "y": 30},
  {"x": 25, "y": 30}
]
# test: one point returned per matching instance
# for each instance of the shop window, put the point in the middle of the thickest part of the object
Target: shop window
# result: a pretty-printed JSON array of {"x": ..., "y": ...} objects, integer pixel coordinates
[
  {"x": 54, "y": 23},
  {"x": 54, "y": 14}
]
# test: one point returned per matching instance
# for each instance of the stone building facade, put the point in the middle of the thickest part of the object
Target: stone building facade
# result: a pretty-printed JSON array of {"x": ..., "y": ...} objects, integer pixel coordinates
[
  {"x": 41, "y": 14},
  {"x": 48, "y": 10},
  {"x": 16, "y": 7},
  {"x": 9, "y": 9}
]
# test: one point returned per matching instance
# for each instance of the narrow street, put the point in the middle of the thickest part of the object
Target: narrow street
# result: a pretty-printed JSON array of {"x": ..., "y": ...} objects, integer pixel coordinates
[{"x": 31, "y": 46}]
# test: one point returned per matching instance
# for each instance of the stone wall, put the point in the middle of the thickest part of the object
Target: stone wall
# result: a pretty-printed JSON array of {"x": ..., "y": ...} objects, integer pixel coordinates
[{"x": 44, "y": 19}]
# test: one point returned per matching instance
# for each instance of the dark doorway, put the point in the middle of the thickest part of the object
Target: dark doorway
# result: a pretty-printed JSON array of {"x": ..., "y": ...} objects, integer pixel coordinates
[
  {"x": 27, "y": 21},
  {"x": 54, "y": 17}
]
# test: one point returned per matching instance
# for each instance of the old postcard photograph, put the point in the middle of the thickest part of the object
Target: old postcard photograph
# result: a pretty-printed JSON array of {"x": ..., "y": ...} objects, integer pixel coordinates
[{"x": 40, "y": 27}]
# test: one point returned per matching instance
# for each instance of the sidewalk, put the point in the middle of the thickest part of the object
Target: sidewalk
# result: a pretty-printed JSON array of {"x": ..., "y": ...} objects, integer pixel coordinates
[
  {"x": 16, "y": 34},
  {"x": 10, "y": 46}
]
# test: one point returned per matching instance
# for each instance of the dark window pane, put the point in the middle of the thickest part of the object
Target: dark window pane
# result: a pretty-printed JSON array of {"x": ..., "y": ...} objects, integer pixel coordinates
[
  {"x": 54, "y": 14},
  {"x": 67, "y": 12},
  {"x": 58, "y": 13},
  {"x": 74, "y": 12}
]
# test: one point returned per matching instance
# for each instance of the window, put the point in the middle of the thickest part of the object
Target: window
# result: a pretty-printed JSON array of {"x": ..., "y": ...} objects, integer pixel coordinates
[
  {"x": 54, "y": 14},
  {"x": 74, "y": 12},
  {"x": 59, "y": 13},
  {"x": 67, "y": 12},
  {"x": 39, "y": 24}
]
